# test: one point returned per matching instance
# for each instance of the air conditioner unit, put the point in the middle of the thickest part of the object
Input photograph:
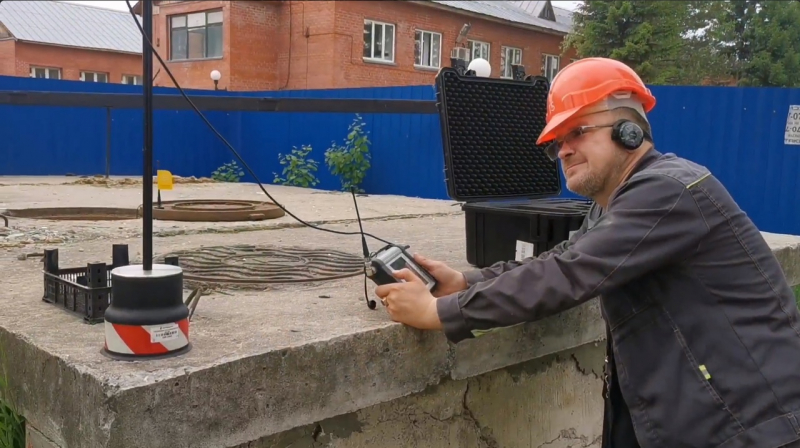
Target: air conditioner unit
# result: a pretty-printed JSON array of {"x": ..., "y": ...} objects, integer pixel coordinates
[{"x": 461, "y": 53}]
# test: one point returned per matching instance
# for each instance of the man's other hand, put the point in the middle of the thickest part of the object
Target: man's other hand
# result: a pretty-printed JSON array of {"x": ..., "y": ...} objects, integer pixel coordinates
[
  {"x": 448, "y": 279},
  {"x": 409, "y": 301}
]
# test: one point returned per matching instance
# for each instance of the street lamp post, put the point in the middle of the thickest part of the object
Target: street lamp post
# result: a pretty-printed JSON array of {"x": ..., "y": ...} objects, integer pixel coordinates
[{"x": 215, "y": 76}]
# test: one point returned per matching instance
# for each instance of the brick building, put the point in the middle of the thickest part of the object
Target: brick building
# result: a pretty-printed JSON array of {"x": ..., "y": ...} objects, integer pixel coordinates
[
  {"x": 49, "y": 39},
  {"x": 276, "y": 45}
]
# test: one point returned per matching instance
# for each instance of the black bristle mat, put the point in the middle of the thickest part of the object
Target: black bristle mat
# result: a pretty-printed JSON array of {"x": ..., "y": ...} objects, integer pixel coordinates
[{"x": 489, "y": 132}]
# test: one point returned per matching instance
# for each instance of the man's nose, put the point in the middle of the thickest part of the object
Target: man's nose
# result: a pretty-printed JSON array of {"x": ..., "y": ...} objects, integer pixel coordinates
[{"x": 565, "y": 151}]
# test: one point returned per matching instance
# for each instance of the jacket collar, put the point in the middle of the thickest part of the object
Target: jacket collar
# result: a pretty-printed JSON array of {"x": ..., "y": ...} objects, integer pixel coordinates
[
  {"x": 650, "y": 157},
  {"x": 647, "y": 159}
]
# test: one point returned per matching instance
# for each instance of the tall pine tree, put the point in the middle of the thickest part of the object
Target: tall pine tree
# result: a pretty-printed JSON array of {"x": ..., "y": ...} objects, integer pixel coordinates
[
  {"x": 648, "y": 36},
  {"x": 702, "y": 58},
  {"x": 773, "y": 46}
]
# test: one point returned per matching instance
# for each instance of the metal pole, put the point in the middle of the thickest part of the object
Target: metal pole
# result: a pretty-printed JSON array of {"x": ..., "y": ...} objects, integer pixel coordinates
[
  {"x": 108, "y": 142},
  {"x": 147, "y": 176}
]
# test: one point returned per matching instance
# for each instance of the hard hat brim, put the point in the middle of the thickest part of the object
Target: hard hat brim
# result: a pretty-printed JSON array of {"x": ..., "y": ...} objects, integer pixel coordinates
[{"x": 549, "y": 131}]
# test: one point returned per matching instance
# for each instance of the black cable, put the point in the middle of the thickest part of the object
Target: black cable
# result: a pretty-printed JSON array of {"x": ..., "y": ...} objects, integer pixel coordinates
[
  {"x": 230, "y": 147},
  {"x": 370, "y": 303}
]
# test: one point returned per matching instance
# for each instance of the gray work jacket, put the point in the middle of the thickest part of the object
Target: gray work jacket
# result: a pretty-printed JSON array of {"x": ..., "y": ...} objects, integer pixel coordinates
[{"x": 704, "y": 331}]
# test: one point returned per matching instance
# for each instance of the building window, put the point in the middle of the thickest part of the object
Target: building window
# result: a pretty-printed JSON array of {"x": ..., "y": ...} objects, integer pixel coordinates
[
  {"x": 478, "y": 49},
  {"x": 132, "y": 80},
  {"x": 378, "y": 41},
  {"x": 45, "y": 73},
  {"x": 510, "y": 56},
  {"x": 427, "y": 49},
  {"x": 550, "y": 66},
  {"x": 94, "y": 77},
  {"x": 196, "y": 36}
]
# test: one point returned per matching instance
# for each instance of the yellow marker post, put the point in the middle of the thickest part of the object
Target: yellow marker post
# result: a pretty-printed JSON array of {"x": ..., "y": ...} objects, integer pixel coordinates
[
  {"x": 164, "y": 182},
  {"x": 164, "y": 179}
]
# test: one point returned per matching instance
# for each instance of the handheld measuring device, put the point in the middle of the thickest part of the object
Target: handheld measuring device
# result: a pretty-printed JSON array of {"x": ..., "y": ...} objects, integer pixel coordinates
[
  {"x": 393, "y": 258},
  {"x": 379, "y": 266}
]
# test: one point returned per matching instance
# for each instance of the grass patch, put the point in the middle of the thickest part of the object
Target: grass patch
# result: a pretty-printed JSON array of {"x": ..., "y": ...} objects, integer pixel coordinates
[
  {"x": 797, "y": 295},
  {"x": 12, "y": 427},
  {"x": 12, "y": 424}
]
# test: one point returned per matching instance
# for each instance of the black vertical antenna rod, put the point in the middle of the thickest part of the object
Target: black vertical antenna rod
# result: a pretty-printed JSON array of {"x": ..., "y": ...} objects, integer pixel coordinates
[{"x": 147, "y": 175}]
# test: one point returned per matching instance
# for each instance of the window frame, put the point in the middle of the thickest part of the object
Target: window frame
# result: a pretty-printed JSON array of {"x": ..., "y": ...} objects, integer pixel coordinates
[
  {"x": 47, "y": 72},
  {"x": 419, "y": 39},
  {"x": 135, "y": 78},
  {"x": 506, "y": 69},
  {"x": 186, "y": 29},
  {"x": 94, "y": 76},
  {"x": 546, "y": 58},
  {"x": 471, "y": 45},
  {"x": 380, "y": 59}
]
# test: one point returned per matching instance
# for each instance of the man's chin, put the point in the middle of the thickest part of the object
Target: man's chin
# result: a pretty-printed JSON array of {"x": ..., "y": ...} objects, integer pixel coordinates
[{"x": 574, "y": 186}]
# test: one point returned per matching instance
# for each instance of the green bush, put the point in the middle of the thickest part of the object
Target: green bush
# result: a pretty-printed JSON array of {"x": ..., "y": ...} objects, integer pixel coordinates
[
  {"x": 298, "y": 169},
  {"x": 229, "y": 172},
  {"x": 351, "y": 161}
]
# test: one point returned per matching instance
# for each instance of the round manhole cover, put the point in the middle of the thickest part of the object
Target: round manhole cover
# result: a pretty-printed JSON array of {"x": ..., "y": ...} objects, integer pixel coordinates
[
  {"x": 74, "y": 213},
  {"x": 260, "y": 265},
  {"x": 216, "y": 210}
]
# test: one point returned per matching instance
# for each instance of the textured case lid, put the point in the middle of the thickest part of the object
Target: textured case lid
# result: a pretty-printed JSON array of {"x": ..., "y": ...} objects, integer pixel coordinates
[{"x": 489, "y": 132}]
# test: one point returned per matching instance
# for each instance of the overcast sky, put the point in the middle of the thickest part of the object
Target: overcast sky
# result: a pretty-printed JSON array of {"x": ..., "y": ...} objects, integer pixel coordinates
[{"x": 120, "y": 5}]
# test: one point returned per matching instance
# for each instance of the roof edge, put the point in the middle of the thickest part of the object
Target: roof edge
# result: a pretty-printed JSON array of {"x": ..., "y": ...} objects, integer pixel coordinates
[
  {"x": 104, "y": 50},
  {"x": 488, "y": 18},
  {"x": 10, "y": 34}
]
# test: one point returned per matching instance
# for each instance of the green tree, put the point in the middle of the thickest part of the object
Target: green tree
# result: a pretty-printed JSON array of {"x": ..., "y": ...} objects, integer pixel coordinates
[
  {"x": 702, "y": 60},
  {"x": 774, "y": 46},
  {"x": 730, "y": 32},
  {"x": 648, "y": 36},
  {"x": 757, "y": 42}
]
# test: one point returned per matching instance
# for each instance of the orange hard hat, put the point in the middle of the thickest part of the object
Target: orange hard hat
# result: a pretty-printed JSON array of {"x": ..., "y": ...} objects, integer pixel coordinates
[{"x": 586, "y": 83}]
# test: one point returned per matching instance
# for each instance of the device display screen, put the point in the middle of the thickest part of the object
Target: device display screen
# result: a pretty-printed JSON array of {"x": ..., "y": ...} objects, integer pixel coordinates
[
  {"x": 401, "y": 263},
  {"x": 398, "y": 263}
]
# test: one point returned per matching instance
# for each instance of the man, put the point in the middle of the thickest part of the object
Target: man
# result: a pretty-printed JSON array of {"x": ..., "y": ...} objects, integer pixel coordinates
[{"x": 703, "y": 330}]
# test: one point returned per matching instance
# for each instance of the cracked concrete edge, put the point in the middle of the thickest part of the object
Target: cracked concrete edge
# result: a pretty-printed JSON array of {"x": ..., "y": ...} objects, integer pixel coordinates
[
  {"x": 445, "y": 405},
  {"x": 251, "y": 398},
  {"x": 496, "y": 350},
  {"x": 484, "y": 434},
  {"x": 447, "y": 401},
  {"x": 52, "y": 395},
  {"x": 35, "y": 439},
  {"x": 271, "y": 393},
  {"x": 247, "y": 399}
]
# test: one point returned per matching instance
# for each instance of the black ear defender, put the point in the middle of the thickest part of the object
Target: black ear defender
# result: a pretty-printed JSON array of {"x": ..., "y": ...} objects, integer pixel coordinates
[{"x": 628, "y": 134}]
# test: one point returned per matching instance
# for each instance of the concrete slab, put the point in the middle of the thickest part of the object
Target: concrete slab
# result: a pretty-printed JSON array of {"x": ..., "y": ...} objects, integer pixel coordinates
[
  {"x": 263, "y": 362},
  {"x": 312, "y": 206}
]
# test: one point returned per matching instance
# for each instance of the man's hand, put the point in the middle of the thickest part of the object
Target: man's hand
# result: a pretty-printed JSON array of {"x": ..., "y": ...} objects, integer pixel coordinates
[
  {"x": 410, "y": 302},
  {"x": 448, "y": 279}
]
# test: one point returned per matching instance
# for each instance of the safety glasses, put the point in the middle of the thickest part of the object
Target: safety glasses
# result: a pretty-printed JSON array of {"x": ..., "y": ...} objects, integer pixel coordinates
[{"x": 554, "y": 147}]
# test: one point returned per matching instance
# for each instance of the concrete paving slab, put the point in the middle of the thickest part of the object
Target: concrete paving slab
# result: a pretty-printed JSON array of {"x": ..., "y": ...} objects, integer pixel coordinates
[{"x": 262, "y": 362}]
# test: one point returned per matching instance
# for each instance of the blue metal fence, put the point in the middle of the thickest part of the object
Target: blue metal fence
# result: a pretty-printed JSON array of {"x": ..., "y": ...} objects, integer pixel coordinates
[{"x": 736, "y": 132}]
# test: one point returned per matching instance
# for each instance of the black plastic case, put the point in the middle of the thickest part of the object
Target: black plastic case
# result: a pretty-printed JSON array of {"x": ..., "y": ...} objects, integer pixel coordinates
[
  {"x": 489, "y": 131},
  {"x": 494, "y": 229}
]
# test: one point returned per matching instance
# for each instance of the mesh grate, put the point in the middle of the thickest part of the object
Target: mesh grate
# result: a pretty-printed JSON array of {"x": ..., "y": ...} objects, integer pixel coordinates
[
  {"x": 489, "y": 129},
  {"x": 257, "y": 266}
]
